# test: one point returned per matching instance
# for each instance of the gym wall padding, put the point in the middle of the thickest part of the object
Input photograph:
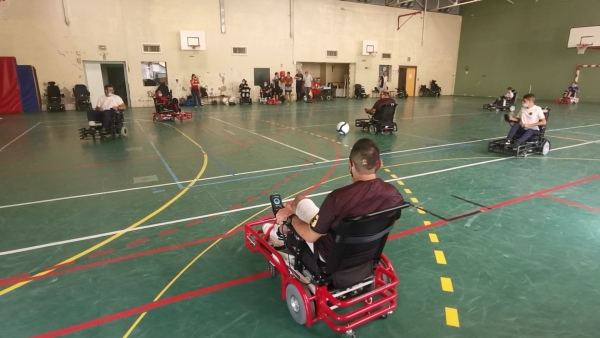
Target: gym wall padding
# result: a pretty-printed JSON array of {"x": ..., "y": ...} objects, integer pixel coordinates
[
  {"x": 28, "y": 86},
  {"x": 10, "y": 99}
]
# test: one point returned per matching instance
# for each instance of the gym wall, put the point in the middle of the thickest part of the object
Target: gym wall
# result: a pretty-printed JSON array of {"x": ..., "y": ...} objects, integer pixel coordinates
[
  {"x": 524, "y": 45},
  {"x": 36, "y": 33}
]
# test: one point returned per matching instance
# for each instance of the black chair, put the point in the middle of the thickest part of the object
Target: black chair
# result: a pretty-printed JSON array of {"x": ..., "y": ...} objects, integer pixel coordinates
[
  {"x": 54, "y": 98},
  {"x": 359, "y": 243}
]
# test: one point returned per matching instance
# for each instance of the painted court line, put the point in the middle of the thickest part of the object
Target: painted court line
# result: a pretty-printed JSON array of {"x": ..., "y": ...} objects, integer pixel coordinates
[
  {"x": 582, "y": 206},
  {"x": 270, "y": 139},
  {"x": 426, "y": 227},
  {"x": 18, "y": 137},
  {"x": 452, "y": 318},
  {"x": 162, "y": 158},
  {"x": 253, "y": 172},
  {"x": 74, "y": 240}
]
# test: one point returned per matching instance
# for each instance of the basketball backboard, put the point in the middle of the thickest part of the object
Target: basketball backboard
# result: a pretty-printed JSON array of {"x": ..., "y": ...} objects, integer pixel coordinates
[
  {"x": 192, "y": 38},
  {"x": 369, "y": 47},
  {"x": 584, "y": 35}
]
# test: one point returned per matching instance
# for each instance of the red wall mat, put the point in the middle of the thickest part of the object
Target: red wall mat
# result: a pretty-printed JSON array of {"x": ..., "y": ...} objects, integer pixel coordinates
[{"x": 10, "y": 97}]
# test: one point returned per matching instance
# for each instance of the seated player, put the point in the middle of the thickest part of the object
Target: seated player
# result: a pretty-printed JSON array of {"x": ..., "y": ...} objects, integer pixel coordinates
[
  {"x": 244, "y": 84},
  {"x": 266, "y": 92},
  {"x": 166, "y": 103},
  {"x": 106, "y": 107},
  {"x": 571, "y": 91},
  {"x": 529, "y": 119},
  {"x": 377, "y": 110},
  {"x": 366, "y": 194},
  {"x": 501, "y": 101}
]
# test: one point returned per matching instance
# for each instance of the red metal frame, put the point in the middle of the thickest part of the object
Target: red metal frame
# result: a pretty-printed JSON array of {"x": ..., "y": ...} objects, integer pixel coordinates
[
  {"x": 377, "y": 303},
  {"x": 409, "y": 14},
  {"x": 161, "y": 116}
]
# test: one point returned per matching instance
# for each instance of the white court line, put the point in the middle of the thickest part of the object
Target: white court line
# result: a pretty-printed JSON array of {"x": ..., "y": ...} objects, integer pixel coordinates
[
  {"x": 247, "y": 173},
  {"x": 18, "y": 137},
  {"x": 31, "y": 248},
  {"x": 228, "y": 131},
  {"x": 270, "y": 139}
]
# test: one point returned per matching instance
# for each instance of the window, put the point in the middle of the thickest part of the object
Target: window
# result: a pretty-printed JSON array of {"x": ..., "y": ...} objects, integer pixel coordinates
[
  {"x": 154, "y": 73},
  {"x": 386, "y": 55},
  {"x": 332, "y": 53},
  {"x": 151, "y": 48},
  {"x": 239, "y": 51}
]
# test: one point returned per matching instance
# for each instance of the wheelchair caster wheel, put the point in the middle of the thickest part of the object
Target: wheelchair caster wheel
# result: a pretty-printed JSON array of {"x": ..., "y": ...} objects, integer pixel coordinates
[
  {"x": 350, "y": 334},
  {"x": 124, "y": 131},
  {"x": 373, "y": 129}
]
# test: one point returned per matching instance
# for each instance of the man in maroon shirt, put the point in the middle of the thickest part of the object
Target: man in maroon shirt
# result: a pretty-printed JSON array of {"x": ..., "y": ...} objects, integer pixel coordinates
[
  {"x": 377, "y": 110},
  {"x": 365, "y": 195}
]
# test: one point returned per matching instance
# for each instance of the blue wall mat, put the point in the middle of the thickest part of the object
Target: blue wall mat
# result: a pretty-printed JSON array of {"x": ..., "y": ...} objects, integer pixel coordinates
[{"x": 30, "y": 98}]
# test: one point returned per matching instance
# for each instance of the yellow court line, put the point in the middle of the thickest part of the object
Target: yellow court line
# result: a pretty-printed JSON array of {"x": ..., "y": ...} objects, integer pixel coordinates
[
  {"x": 439, "y": 257},
  {"x": 426, "y": 223},
  {"x": 115, "y": 236},
  {"x": 568, "y": 138},
  {"x": 452, "y": 317},
  {"x": 414, "y": 200},
  {"x": 433, "y": 238},
  {"x": 139, "y": 319},
  {"x": 446, "y": 284},
  {"x": 407, "y": 191}
]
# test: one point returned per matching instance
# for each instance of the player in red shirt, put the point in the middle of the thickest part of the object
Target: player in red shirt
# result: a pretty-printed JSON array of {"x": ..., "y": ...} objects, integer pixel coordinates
[
  {"x": 165, "y": 102},
  {"x": 195, "y": 86}
]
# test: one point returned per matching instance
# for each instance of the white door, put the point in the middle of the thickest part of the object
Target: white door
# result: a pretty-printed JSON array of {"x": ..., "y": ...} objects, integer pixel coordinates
[{"x": 94, "y": 81}]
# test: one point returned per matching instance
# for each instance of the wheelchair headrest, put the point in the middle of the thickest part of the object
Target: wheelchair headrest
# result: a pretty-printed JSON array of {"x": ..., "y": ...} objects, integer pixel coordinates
[{"x": 81, "y": 90}]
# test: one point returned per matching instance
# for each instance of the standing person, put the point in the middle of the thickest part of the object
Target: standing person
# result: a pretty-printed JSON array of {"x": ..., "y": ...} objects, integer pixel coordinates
[
  {"x": 288, "y": 80},
  {"x": 276, "y": 85},
  {"x": 299, "y": 85},
  {"x": 308, "y": 79},
  {"x": 195, "y": 85}
]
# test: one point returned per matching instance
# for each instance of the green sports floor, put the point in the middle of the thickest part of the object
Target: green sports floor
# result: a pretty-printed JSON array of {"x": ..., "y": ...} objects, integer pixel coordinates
[{"x": 509, "y": 246}]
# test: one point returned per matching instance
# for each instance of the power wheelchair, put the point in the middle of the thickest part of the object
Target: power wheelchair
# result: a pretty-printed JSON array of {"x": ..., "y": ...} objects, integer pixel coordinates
[
  {"x": 536, "y": 144},
  {"x": 501, "y": 105},
  {"x": 169, "y": 110},
  {"x": 355, "y": 286},
  {"x": 54, "y": 98},
  {"x": 434, "y": 90},
  {"x": 115, "y": 128},
  {"x": 384, "y": 124}
]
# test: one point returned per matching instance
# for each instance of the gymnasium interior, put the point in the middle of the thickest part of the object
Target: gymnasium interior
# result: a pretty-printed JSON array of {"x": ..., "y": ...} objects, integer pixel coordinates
[{"x": 142, "y": 229}]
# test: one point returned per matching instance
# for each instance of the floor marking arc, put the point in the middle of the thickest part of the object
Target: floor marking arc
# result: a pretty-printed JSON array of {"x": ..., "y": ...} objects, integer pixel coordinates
[{"x": 133, "y": 226}]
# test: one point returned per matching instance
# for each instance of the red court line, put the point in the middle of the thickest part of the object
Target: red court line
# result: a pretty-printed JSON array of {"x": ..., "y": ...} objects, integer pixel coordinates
[
  {"x": 492, "y": 207},
  {"x": 194, "y": 222},
  {"x": 265, "y": 192},
  {"x": 252, "y": 199},
  {"x": 101, "y": 253},
  {"x": 53, "y": 267},
  {"x": 582, "y": 206},
  {"x": 277, "y": 186},
  {"x": 151, "y": 306},
  {"x": 14, "y": 278},
  {"x": 164, "y": 233},
  {"x": 239, "y": 205},
  {"x": 139, "y": 241},
  {"x": 287, "y": 179}
]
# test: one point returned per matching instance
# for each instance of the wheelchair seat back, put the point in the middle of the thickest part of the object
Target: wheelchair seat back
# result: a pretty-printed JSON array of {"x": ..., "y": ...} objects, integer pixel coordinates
[
  {"x": 540, "y": 135},
  {"x": 164, "y": 90},
  {"x": 53, "y": 92},
  {"x": 387, "y": 114},
  {"x": 81, "y": 92},
  {"x": 512, "y": 101},
  {"x": 359, "y": 242}
]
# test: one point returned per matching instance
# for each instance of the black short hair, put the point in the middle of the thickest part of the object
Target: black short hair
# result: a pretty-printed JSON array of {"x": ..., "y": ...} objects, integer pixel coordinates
[
  {"x": 193, "y": 75},
  {"x": 529, "y": 97},
  {"x": 108, "y": 86},
  {"x": 365, "y": 155},
  {"x": 509, "y": 88}
]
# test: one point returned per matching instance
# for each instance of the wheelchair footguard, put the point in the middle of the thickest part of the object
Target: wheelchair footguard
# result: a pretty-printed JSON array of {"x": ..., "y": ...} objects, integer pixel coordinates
[
  {"x": 116, "y": 128},
  {"x": 541, "y": 146},
  {"x": 309, "y": 302},
  {"x": 171, "y": 116}
]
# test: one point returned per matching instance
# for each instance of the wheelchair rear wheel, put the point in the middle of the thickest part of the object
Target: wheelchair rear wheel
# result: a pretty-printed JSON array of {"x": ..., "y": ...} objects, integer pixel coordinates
[
  {"x": 124, "y": 131},
  {"x": 546, "y": 147},
  {"x": 373, "y": 129},
  {"x": 295, "y": 304}
]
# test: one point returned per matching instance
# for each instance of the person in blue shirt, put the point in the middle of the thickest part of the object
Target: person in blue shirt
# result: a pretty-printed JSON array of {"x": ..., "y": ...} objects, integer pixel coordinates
[{"x": 572, "y": 90}]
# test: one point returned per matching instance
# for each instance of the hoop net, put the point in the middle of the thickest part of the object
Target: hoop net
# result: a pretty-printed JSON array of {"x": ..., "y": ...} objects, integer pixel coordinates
[
  {"x": 194, "y": 50},
  {"x": 582, "y": 47},
  {"x": 372, "y": 54},
  {"x": 3, "y": 8}
]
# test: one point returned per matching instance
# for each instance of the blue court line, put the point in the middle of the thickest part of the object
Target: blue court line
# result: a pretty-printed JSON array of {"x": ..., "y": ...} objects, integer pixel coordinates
[
  {"x": 219, "y": 163},
  {"x": 167, "y": 166},
  {"x": 326, "y": 166},
  {"x": 155, "y": 191},
  {"x": 423, "y": 137}
]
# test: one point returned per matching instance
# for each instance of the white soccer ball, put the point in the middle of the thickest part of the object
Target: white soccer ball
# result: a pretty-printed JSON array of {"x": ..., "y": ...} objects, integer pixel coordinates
[
  {"x": 342, "y": 128},
  {"x": 225, "y": 101}
]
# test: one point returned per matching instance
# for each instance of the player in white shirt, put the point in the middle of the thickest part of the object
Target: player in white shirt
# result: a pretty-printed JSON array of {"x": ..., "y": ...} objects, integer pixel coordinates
[
  {"x": 308, "y": 79},
  {"x": 529, "y": 119},
  {"x": 502, "y": 99},
  {"x": 106, "y": 107}
]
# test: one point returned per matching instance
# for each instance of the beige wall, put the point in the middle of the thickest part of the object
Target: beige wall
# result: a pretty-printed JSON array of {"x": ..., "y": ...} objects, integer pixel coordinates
[{"x": 35, "y": 32}]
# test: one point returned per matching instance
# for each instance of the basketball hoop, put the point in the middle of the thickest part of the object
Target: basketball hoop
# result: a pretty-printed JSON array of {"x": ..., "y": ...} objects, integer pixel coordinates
[
  {"x": 194, "y": 50},
  {"x": 582, "y": 47},
  {"x": 373, "y": 54},
  {"x": 3, "y": 8}
]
